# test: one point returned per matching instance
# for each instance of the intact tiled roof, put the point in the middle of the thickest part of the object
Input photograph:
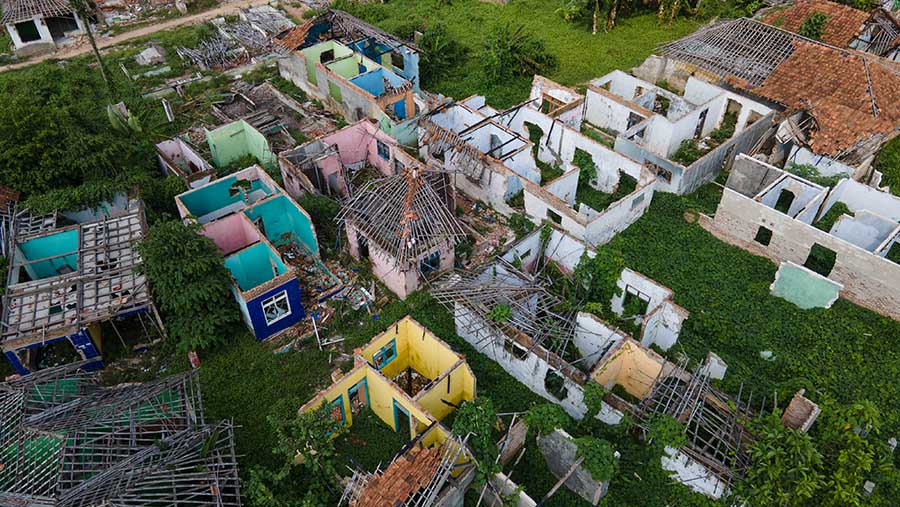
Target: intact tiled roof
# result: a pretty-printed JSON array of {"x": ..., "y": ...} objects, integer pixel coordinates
[
  {"x": 16, "y": 11},
  {"x": 852, "y": 97},
  {"x": 844, "y": 22},
  {"x": 408, "y": 474}
]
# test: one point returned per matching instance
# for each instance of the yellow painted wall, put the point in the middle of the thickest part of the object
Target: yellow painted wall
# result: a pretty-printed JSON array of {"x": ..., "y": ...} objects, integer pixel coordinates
[
  {"x": 340, "y": 388},
  {"x": 633, "y": 367},
  {"x": 462, "y": 387},
  {"x": 381, "y": 397},
  {"x": 416, "y": 347}
]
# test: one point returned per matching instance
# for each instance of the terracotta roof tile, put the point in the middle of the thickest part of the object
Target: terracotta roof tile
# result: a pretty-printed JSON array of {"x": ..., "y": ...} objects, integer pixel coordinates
[
  {"x": 833, "y": 85},
  {"x": 295, "y": 37},
  {"x": 844, "y": 22},
  {"x": 407, "y": 474}
]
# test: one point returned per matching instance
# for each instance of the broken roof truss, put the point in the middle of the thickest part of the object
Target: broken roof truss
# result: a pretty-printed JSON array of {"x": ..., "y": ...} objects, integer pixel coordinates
[
  {"x": 532, "y": 308},
  {"x": 406, "y": 215},
  {"x": 71, "y": 442},
  {"x": 714, "y": 423},
  {"x": 105, "y": 284}
]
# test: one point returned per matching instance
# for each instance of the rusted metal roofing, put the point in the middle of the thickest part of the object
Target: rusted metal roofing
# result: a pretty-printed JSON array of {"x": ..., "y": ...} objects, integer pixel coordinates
[{"x": 17, "y": 11}]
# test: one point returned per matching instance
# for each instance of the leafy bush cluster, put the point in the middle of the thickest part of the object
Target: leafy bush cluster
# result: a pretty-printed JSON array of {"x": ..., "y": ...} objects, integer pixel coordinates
[
  {"x": 599, "y": 457},
  {"x": 546, "y": 417},
  {"x": 510, "y": 51},
  {"x": 687, "y": 153},
  {"x": 478, "y": 419},
  {"x": 888, "y": 163},
  {"x": 814, "y": 25},
  {"x": 809, "y": 172},
  {"x": 190, "y": 283}
]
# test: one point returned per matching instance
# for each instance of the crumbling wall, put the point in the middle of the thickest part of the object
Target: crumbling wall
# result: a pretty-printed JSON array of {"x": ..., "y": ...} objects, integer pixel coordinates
[
  {"x": 692, "y": 474},
  {"x": 662, "y": 325},
  {"x": 560, "y": 453},
  {"x": 593, "y": 337},
  {"x": 868, "y": 279},
  {"x": 618, "y": 216}
]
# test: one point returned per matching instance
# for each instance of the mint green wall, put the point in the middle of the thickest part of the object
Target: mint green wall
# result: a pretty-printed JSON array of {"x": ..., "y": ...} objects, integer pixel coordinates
[
  {"x": 313, "y": 56},
  {"x": 236, "y": 140},
  {"x": 284, "y": 223},
  {"x": 253, "y": 266},
  {"x": 48, "y": 246},
  {"x": 348, "y": 67}
]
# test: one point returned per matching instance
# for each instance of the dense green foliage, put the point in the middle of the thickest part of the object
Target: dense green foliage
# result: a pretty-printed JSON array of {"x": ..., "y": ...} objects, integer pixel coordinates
[
  {"x": 826, "y": 222},
  {"x": 510, "y": 51},
  {"x": 477, "y": 419},
  {"x": 520, "y": 224},
  {"x": 595, "y": 277},
  {"x": 190, "y": 284},
  {"x": 726, "y": 290},
  {"x": 813, "y": 26},
  {"x": 54, "y": 130},
  {"x": 888, "y": 163},
  {"x": 369, "y": 442},
  {"x": 442, "y": 52},
  {"x": 323, "y": 210},
  {"x": 666, "y": 431},
  {"x": 599, "y": 457},
  {"x": 546, "y": 417},
  {"x": 581, "y": 55},
  {"x": 809, "y": 172},
  {"x": 687, "y": 153}
]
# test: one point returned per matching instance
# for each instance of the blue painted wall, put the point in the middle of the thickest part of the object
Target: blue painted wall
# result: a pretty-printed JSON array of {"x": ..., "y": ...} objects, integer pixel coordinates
[
  {"x": 252, "y": 266},
  {"x": 258, "y": 319},
  {"x": 48, "y": 246},
  {"x": 81, "y": 341},
  {"x": 285, "y": 223}
]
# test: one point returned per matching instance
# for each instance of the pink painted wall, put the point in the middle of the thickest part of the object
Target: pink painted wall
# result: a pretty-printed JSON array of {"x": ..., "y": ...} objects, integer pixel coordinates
[{"x": 231, "y": 233}]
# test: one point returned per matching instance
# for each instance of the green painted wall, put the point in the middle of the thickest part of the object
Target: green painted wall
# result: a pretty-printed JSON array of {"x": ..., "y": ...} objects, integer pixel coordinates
[
  {"x": 237, "y": 140},
  {"x": 804, "y": 288},
  {"x": 313, "y": 56}
]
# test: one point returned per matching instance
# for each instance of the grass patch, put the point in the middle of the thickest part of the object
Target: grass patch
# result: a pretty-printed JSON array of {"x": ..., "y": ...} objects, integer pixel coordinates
[
  {"x": 369, "y": 441},
  {"x": 827, "y": 221},
  {"x": 726, "y": 289},
  {"x": 581, "y": 55}
]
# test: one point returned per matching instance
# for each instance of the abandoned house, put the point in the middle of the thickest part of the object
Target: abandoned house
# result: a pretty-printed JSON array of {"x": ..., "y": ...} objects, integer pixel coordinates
[
  {"x": 330, "y": 164},
  {"x": 508, "y": 310},
  {"x": 411, "y": 381},
  {"x": 269, "y": 244},
  {"x": 488, "y": 160},
  {"x": 237, "y": 140},
  {"x": 849, "y": 234},
  {"x": 599, "y": 192},
  {"x": 356, "y": 70},
  {"x": 874, "y": 32},
  {"x": 684, "y": 140},
  {"x": 176, "y": 157},
  {"x": 37, "y": 26},
  {"x": 836, "y": 125},
  {"x": 405, "y": 224},
  {"x": 63, "y": 282},
  {"x": 69, "y": 441},
  {"x": 645, "y": 385}
]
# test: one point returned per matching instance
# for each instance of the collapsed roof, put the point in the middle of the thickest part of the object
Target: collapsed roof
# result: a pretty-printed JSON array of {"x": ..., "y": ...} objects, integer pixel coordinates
[
  {"x": 17, "y": 11},
  {"x": 406, "y": 215},
  {"x": 342, "y": 27},
  {"x": 852, "y": 96},
  {"x": 843, "y": 25}
]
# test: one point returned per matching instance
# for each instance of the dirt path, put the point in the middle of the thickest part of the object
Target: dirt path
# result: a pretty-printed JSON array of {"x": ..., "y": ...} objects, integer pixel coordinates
[{"x": 227, "y": 7}]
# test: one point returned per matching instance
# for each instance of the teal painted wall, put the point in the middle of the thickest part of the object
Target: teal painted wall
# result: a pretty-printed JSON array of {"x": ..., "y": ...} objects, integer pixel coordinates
[
  {"x": 253, "y": 266},
  {"x": 284, "y": 222},
  {"x": 48, "y": 246},
  {"x": 211, "y": 197}
]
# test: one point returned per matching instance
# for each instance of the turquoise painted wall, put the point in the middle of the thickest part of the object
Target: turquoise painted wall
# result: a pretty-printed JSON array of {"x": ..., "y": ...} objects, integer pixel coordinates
[
  {"x": 214, "y": 196},
  {"x": 48, "y": 246},
  {"x": 253, "y": 266},
  {"x": 284, "y": 222}
]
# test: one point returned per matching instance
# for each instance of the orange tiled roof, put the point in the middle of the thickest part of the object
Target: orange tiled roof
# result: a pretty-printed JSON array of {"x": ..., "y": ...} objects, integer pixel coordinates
[
  {"x": 833, "y": 85},
  {"x": 8, "y": 195},
  {"x": 295, "y": 37},
  {"x": 408, "y": 474},
  {"x": 844, "y": 22}
]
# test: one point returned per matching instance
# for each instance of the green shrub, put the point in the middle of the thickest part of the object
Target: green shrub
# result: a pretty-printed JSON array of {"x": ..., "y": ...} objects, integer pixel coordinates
[
  {"x": 888, "y": 163},
  {"x": 520, "y": 225},
  {"x": 510, "y": 51},
  {"x": 813, "y": 26},
  {"x": 688, "y": 152},
  {"x": 546, "y": 417},
  {"x": 599, "y": 458},
  {"x": 666, "y": 431},
  {"x": 442, "y": 53},
  {"x": 826, "y": 222}
]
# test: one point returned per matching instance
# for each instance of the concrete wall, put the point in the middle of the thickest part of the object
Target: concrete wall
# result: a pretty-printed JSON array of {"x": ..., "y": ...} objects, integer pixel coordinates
[
  {"x": 692, "y": 474},
  {"x": 868, "y": 279},
  {"x": 630, "y": 365},
  {"x": 824, "y": 165},
  {"x": 231, "y": 233},
  {"x": 560, "y": 453},
  {"x": 593, "y": 338},
  {"x": 662, "y": 322}
]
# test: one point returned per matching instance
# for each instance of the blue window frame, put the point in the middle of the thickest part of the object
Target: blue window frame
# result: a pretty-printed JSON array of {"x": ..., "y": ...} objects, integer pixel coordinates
[
  {"x": 387, "y": 354},
  {"x": 383, "y": 150},
  {"x": 338, "y": 404},
  {"x": 399, "y": 412},
  {"x": 358, "y": 395}
]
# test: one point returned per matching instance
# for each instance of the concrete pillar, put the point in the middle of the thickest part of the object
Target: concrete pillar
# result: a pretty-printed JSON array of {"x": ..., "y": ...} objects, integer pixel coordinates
[
  {"x": 43, "y": 30},
  {"x": 14, "y": 35},
  {"x": 79, "y": 23}
]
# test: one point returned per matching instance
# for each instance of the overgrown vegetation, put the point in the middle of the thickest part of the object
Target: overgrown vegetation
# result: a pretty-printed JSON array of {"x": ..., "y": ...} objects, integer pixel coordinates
[
  {"x": 590, "y": 196},
  {"x": 687, "y": 153},
  {"x": 813, "y": 26},
  {"x": 599, "y": 457},
  {"x": 810, "y": 173},
  {"x": 520, "y": 224},
  {"x": 190, "y": 284},
  {"x": 888, "y": 163},
  {"x": 323, "y": 210},
  {"x": 826, "y": 222}
]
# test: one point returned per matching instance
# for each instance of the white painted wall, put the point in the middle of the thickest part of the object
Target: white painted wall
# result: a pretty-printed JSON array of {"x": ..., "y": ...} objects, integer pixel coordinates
[
  {"x": 692, "y": 474},
  {"x": 593, "y": 337}
]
